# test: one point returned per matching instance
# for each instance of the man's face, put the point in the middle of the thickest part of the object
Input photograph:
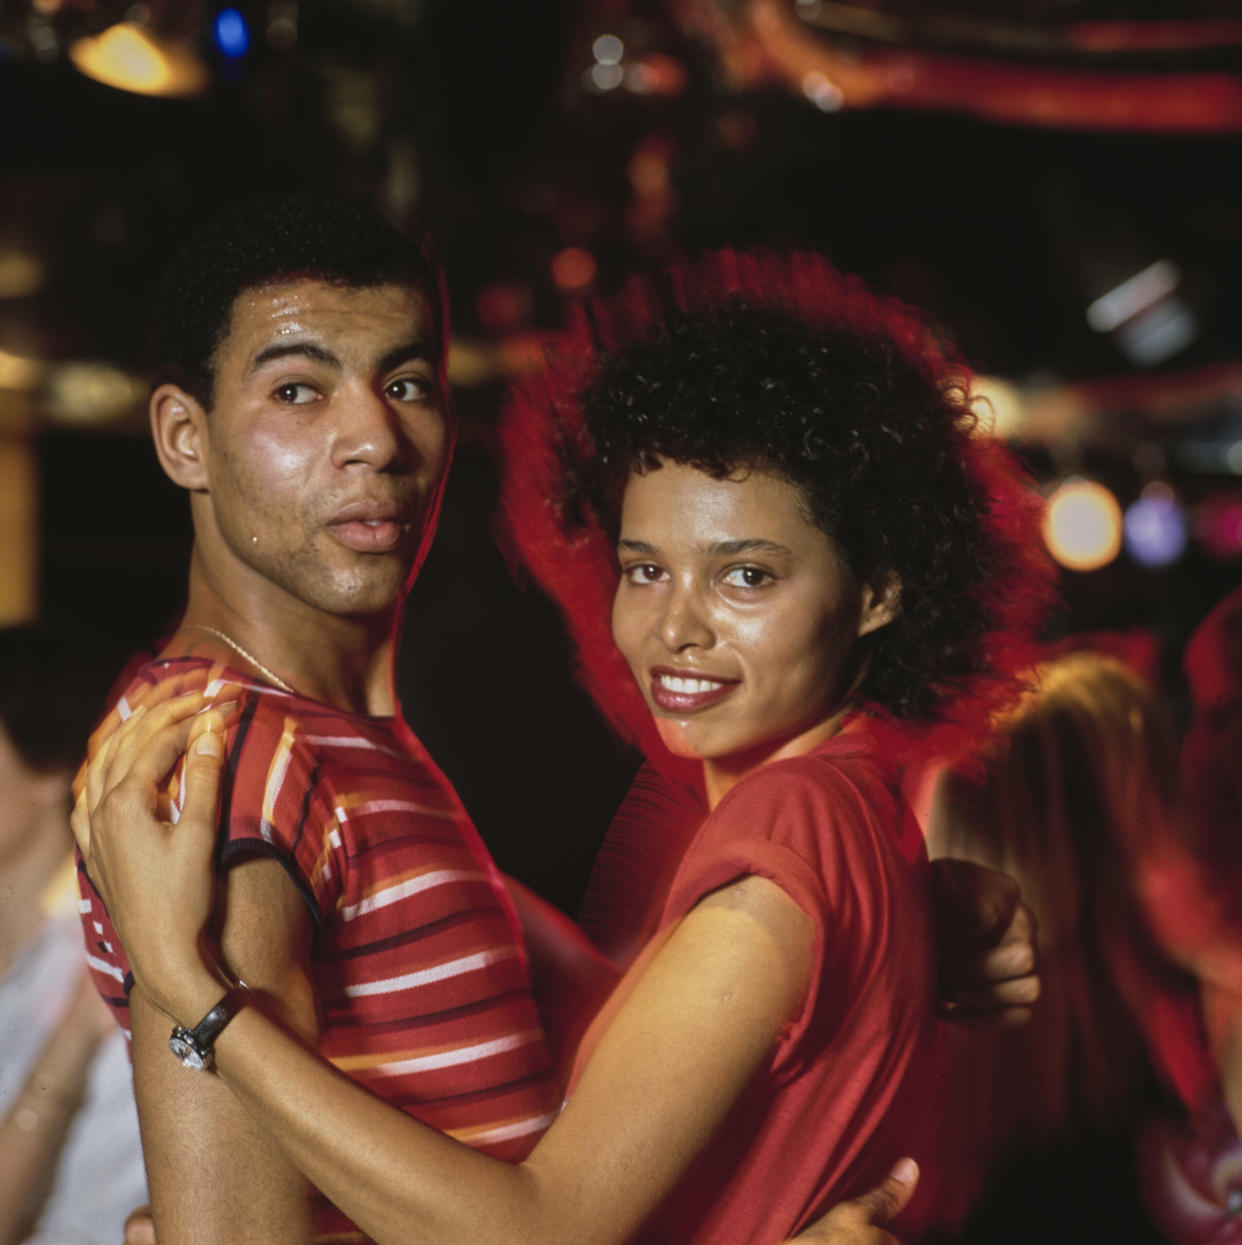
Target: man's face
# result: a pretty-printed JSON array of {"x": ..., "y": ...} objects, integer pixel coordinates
[{"x": 325, "y": 446}]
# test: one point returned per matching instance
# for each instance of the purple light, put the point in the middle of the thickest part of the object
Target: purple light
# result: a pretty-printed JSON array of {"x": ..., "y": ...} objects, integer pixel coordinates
[{"x": 1156, "y": 531}]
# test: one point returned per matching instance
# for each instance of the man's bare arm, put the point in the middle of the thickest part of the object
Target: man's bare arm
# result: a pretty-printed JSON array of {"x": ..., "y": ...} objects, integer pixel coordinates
[{"x": 214, "y": 1174}]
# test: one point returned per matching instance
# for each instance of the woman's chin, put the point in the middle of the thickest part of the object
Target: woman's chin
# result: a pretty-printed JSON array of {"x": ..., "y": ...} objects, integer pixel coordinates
[{"x": 673, "y": 736}]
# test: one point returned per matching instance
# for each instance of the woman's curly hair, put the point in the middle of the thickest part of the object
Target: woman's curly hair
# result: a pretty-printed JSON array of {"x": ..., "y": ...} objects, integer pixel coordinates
[{"x": 782, "y": 364}]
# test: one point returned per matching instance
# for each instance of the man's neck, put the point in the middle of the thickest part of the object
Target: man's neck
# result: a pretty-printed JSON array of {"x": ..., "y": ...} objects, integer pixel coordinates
[{"x": 344, "y": 662}]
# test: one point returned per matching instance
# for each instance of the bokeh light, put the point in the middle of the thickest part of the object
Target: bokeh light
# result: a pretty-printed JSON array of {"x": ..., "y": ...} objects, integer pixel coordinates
[
  {"x": 1083, "y": 525},
  {"x": 125, "y": 56},
  {"x": 573, "y": 270},
  {"x": 1156, "y": 529},
  {"x": 232, "y": 34},
  {"x": 608, "y": 50}
]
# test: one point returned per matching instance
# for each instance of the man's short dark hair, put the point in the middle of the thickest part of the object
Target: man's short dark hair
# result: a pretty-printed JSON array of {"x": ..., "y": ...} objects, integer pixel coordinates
[
  {"x": 781, "y": 364},
  {"x": 270, "y": 239},
  {"x": 54, "y": 681}
]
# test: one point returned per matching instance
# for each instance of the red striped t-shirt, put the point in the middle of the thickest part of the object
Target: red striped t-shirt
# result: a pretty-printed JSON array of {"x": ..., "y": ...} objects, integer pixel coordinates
[{"x": 417, "y": 960}]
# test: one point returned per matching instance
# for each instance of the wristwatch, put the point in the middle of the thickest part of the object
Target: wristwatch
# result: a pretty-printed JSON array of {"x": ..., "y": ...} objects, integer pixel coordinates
[{"x": 194, "y": 1047}]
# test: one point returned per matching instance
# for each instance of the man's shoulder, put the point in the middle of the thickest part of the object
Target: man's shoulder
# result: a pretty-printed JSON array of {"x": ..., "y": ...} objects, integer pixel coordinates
[{"x": 262, "y": 709}]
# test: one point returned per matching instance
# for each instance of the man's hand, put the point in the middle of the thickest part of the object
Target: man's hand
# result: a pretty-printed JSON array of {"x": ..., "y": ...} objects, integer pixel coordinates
[
  {"x": 861, "y": 1221},
  {"x": 986, "y": 965}
]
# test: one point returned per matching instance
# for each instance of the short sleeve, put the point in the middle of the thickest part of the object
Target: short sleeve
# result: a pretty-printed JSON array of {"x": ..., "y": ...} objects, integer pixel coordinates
[
  {"x": 273, "y": 802},
  {"x": 803, "y": 827}
]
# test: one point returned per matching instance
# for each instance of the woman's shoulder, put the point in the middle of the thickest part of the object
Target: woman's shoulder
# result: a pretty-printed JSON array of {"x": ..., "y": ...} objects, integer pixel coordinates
[{"x": 843, "y": 766}]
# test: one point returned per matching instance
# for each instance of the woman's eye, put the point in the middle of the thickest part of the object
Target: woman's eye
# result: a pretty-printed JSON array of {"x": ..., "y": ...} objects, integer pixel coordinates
[
  {"x": 409, "y": 389},
  {"x": 643, "y": 573},
  {"x": 295, "y": 393},
  {"x": 747, "y": 577}
]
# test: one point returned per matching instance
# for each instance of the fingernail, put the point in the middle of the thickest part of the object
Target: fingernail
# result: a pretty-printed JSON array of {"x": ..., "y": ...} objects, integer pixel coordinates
[
  {"x": 209, "y": 744},
  {"x": 905, "y": 1172}
]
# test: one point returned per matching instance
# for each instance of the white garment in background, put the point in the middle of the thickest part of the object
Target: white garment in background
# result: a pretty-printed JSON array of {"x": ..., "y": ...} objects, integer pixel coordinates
[{"x": 100, "y": 1177}]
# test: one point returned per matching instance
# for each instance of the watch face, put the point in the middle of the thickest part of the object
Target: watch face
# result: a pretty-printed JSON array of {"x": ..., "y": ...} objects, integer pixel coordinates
[{"x": 182, "y": 1045}]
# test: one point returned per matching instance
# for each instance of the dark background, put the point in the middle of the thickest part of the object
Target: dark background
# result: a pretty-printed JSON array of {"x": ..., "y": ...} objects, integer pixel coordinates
[{"x": 475, "y": 117}]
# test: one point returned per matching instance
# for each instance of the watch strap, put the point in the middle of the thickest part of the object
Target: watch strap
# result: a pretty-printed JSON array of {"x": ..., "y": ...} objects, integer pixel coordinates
[{"x": 194, "y": 1047}]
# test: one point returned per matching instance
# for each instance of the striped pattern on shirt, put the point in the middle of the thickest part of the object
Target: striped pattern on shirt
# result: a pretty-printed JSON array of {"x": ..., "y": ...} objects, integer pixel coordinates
[{"x": 417, "y": 962}]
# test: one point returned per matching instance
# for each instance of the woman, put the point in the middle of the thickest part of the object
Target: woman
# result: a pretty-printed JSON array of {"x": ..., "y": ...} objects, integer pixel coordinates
[{"x": 819, "y": 563}]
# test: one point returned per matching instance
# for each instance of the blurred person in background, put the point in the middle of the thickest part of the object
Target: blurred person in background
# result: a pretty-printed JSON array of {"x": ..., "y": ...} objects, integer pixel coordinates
[
  {"x": 1193, "y": 1164},
  {"x": 1077, "y": 798},
  {"x": 70, "y": 1161}
]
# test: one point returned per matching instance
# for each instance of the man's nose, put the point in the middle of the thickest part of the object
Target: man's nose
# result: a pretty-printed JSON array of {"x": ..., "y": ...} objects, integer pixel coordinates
[{"x": 369, "y": 432}]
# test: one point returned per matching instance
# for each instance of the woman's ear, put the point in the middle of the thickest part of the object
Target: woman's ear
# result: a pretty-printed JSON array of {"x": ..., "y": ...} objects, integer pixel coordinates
[
  {"x": 179, "y": 429},
  {"x": 881, "y": 601}
]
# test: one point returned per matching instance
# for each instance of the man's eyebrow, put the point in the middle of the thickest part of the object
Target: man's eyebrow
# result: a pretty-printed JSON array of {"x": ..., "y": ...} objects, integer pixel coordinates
[
  {"x": 283, "y": 350},
  {"x": 407, "y": 352},
  {"x": 418, "y": 351}
]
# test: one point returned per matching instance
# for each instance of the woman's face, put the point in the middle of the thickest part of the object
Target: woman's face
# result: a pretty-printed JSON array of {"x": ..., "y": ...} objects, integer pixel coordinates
[{"x": 736, "y": 615}]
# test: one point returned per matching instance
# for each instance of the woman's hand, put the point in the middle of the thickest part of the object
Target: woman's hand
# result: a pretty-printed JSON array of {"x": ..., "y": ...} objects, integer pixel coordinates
[
  {"x": 156, "y": 878},
  {"x": 860, "y": 1222}
]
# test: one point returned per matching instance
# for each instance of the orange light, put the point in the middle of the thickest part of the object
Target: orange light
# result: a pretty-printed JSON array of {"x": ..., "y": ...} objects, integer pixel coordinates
[
  {"x": 126, "y": 56},
  {"x": 1083, "y": 525},
  {"x": 573, "y": 270}
]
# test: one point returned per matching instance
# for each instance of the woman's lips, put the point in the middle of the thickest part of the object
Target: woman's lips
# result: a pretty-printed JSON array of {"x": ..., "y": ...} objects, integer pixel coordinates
[
  {"x": 682, "y": 692},
  {"x": 368, "y": 535}
]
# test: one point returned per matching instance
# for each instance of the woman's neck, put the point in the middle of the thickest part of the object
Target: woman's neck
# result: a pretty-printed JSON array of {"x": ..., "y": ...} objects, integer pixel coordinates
[{"x": 722, "y": 774}]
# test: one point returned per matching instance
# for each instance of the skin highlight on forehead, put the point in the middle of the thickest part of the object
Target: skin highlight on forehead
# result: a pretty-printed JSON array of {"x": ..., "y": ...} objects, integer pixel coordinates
[{"x": 264, "y": 318}]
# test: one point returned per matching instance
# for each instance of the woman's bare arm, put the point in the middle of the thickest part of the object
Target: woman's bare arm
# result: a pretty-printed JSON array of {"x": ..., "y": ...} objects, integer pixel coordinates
[{"x": 702, "y": 1018}]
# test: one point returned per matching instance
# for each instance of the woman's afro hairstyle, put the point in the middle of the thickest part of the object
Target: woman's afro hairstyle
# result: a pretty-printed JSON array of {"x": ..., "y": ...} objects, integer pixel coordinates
[{"x": 782, "y": 364}]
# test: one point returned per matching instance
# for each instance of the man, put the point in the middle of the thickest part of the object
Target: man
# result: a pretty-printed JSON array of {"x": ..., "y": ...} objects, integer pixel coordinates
[{"x": 301, "y": 403}]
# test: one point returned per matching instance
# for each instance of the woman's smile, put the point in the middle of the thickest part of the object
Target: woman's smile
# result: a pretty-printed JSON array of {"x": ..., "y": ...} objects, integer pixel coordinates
[{"x": 684, "y": 691}]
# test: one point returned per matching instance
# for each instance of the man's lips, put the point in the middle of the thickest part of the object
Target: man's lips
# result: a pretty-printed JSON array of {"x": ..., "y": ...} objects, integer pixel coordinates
[
  {"x": 685, "y": 691},
  {"x": 369, "y": 527}
]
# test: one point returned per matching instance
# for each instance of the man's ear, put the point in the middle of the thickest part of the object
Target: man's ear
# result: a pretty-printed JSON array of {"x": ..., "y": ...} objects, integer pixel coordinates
[
  {"x": 179, "y": 429},
  {"x": 881, "y": 601}
]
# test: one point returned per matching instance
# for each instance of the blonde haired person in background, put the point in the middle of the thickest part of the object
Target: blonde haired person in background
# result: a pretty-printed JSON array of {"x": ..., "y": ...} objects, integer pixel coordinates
[{"x": 1076, "y": 797}]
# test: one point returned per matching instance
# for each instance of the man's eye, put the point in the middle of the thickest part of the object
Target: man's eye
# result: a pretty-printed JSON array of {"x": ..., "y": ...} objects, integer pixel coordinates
[
  {"x": 747, "y": 577},
  {"x": 643, "y": 573},
  {"x": 295, "y": 393},
  {"x": 409, "y": 389}
]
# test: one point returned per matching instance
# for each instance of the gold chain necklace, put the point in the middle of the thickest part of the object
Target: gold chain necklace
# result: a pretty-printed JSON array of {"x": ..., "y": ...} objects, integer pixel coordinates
[{"x": 270, "y": 675}]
